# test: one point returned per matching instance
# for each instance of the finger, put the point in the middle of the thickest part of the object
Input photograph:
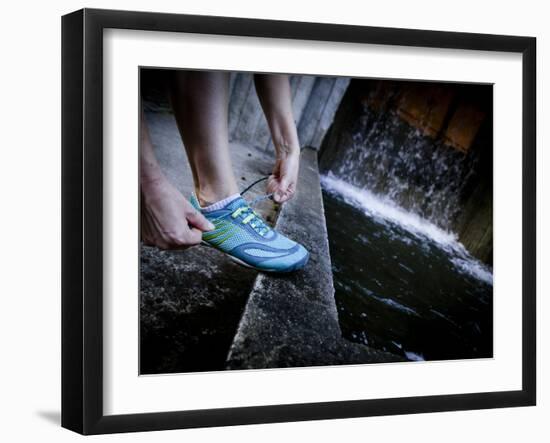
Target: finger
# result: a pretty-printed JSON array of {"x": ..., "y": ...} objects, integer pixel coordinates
[
  {"x": 199, "y": 221},
  {"x": 272, "y": 184},
  {"x": 195, "y": 236},
  {"x": 282, "y": 191},
  {"x": 288, "y": 194},
  {"x": 281, "y": 198},
  {"x": 278, "y": 197}
]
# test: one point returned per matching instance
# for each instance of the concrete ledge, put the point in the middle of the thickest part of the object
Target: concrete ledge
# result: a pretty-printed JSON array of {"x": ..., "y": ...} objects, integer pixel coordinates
[
  {"x": 191, "y": 301},
  {"x": 291, "y": 320}
]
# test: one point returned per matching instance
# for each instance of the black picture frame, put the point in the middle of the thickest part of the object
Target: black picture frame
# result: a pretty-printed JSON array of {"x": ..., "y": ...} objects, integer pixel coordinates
[{"x": 82, "y": 220}]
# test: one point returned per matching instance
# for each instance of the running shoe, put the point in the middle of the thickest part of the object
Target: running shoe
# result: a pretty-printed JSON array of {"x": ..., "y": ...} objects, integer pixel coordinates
[{"x": 242, "y": 234}]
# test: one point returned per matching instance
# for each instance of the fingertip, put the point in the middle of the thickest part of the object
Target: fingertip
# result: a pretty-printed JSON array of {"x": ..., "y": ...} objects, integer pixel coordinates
[
  {"x": 205, "y": 224},
  {"x": 287, "y": 197},
  {"x": 198, "y": 220},
  {"x": 196, "y": 236},
  {"x": 284, "y": 196}
]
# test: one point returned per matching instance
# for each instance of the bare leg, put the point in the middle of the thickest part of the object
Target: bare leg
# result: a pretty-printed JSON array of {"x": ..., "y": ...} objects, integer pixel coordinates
[
  {"x": 200, "y": 101},
  {"x": 168, "y": 220},
  {"x": 275, "y": 98}
]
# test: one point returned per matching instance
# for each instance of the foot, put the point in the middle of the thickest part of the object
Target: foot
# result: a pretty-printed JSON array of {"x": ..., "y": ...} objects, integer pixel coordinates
[
  {"x": 246, "y": 238},
  {"x": 168, "y": 220}
]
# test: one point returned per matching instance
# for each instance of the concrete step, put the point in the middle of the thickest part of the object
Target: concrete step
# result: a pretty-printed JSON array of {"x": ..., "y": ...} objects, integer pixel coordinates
[
  {"x": 191, "y": 301},
  {"x": 291, "y": 320}
]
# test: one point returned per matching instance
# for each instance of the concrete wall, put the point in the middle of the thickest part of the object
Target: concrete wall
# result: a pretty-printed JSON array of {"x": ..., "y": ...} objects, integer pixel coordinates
[{"x": 314, "y": 102}]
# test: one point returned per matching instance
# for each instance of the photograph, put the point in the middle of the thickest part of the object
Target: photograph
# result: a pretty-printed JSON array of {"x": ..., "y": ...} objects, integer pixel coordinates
[{"x": 295, "y": 220}]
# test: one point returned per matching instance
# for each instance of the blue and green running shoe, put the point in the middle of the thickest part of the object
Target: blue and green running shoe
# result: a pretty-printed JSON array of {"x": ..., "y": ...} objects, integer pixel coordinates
[{"x": 246, "y": 238}]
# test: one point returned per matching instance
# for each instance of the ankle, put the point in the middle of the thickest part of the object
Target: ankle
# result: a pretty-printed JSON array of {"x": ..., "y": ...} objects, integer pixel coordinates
[{"x": 208, "y": 197}]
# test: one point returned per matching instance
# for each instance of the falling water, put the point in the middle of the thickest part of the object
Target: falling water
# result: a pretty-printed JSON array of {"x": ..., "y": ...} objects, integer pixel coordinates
[
  {"x": 395, "y": 161},
  {"x": 404, "y": 283}
]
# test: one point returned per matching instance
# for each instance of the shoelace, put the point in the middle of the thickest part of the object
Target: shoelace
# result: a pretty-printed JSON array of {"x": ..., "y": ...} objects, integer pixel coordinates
[{"x": 251, "y": 217}]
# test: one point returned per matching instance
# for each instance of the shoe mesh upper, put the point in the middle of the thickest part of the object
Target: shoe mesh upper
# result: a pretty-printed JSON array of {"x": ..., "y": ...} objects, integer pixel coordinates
[{"x": 273, "y": 250}]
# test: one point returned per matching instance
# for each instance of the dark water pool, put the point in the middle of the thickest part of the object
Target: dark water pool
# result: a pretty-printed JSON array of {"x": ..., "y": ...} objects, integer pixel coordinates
[{"x": 405, "y": 287}]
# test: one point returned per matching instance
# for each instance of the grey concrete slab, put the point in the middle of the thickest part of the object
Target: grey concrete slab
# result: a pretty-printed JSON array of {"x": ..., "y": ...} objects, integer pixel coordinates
[
  {"x": 300, "y": 98},
  {"x": 314, "y": 109},
  {"x": 291, "y": 320},
  {"x": 243, "y": 84},
  {"x": 331, "y": 106},
  {"x": 249, "y": 118}
]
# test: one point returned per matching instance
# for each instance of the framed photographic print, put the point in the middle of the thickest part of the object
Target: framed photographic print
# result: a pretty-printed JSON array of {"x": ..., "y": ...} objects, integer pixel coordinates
[{"x": 269, "y": 221}]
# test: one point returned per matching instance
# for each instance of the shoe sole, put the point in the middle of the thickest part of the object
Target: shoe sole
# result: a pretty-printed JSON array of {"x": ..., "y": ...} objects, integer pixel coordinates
[{"x": 295, "y": 267}]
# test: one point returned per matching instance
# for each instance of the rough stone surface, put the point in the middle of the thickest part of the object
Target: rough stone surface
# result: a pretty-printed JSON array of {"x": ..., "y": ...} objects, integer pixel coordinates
[
  {"x": 190, "y": 305},
  {"x": 291, "y": 320},
  {"x": 191, "y": 301}
]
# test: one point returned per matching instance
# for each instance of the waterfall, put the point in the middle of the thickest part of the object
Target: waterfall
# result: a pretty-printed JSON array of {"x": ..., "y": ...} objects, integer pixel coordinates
[
  {"x": 398, "y": 176},
  {"x": 405, "y": 180},
  {"x": 386, "y": 156}
]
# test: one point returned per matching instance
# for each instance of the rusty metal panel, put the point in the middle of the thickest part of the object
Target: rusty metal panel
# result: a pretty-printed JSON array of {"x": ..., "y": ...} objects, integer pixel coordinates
[
  {"x": 425, "y": 107},
  {"x": 381, "y": 95},
  {"x": 463, "y": 127}
]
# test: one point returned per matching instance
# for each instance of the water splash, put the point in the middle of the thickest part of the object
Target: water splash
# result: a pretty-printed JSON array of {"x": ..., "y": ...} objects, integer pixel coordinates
[
  {"x": 385, "y": 211},
  {"x": 473, "y": 268},
  {"x": 396, "y": 305},
  {"x": 413, "y": 356},
  {"x": 392, "y": 159}
]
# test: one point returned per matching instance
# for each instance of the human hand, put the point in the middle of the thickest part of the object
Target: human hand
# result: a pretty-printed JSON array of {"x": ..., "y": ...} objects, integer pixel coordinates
[
  {"x": 284, "y": 178},
  {"x": 168, "y": 220}
]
